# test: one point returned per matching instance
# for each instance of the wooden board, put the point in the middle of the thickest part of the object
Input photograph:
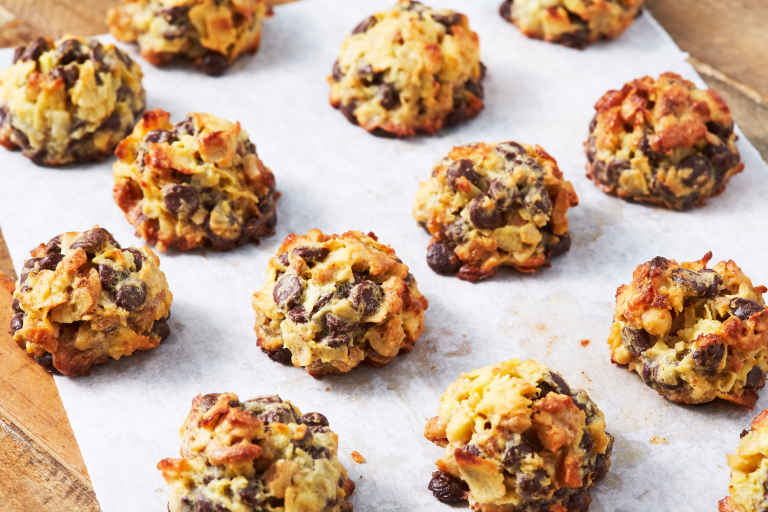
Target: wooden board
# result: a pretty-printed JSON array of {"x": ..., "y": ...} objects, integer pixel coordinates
[{"x": 40, "y": 463}]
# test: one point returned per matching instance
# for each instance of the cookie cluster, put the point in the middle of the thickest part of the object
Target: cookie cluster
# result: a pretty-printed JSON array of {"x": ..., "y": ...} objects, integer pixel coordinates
[
  {"x": 692, "y": 333},
  {"x": 409, "y": 70},
  {"x": 663, "y": 142},
  {"x": 82, "y": 299},
  {"x": 748, "y": 489},
  {"x": 69, "y": 100},
  {"x": 213, "y": 33},
  {"x": 518, "y": 439},
  {"x": 488, "y": 205},
  {"x": 574, "y": 23},
  {"x": 193, "y": 184},
  {"x": 258, "y": 455},
  {"x": 331, "y": 302}
]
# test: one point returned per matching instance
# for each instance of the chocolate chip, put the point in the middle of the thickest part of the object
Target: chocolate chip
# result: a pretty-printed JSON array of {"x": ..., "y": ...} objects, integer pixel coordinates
[
  {"x": 338, "y": 326},
  {"x": 700, "y": 173},
  {"x": 531, "y": 485},
  {"x": 17, "y": 53},
  {"x": 109, "y": 277},
  {"x": 314, "y": 419},
  {"x": 99, "y": 81},
  {"x": 516, "y": 453},
  {"x": 743, "y": 433},
  {"x": 364, "y": 25},
  {"x": 447, "y": 488},
  {"x": 209, "y": 401},
  {"x": 349, "y": 112},
  {"x": 248, "y": 497},
  {"x": 448, "y": 21},
  {"x": 181, "y": 200},
  {"x": 112, "y": 123},
  {"x": 705, "y": 283},
  {"x": 442, "y": 259},
  {"x": 338, "y": 74},
  {"x": 282, "y": 413},
  {"x": 284, "y": 259},
  {"x": 723, "y": 131},
  {"x": 16, "y": 306},
  {"x": 722, "y": 157},
  {"x": 70, "y": 51},
  {"x": 51, "y": 261},
  {"x": 160, "y": 137},
  {"x": 336, "y": 340},
  {"x": 124, "y": 58},
  {"x": 131, "y": 296},
  {"x": 510, "y": 150},
  {"x": 138, "y": 258},
  {"x": 475, "y": 87},
  {"x": 366, "y": 297},
  {"x": 561, "y": 246},
  {"x": 601, "y": 467},
  {"x": 483, "y": 212},
  {"x": 35, "y": 49},
  {"x": 659, "y": 262},
  {"x": 311, "y": 254},
  {"x": 536, "y": 200},
  {"x": 319, "y": 452},
  {"x": 68, "y": 75},
  {"x": 745, "y": 308},
  {"x": 577, "y": 39},
  {"x": 287, "y": 292},
  {"x": 464, "y": 168},
  {"x": 185, "y": 127},
  {"x": 176, "y": 15},
  {"x": 506, "y": 9},
  {"x": 160, "y": 329},
  {"x": 390, "y": 98},
  {"x": 203, "y": 504},
  {"x": 457, "y": 230},
  {"x": 306, "y": 440},
  {"x": 708, "y": 358},
  {"x": 637, "y": 341},
  {"x": 579, "y": 501},
  {"x": 282, "y": 355},
  {"x": 54, "y": 245},
  {"x": 91, "y": 241},
  {"x": 646, "y": 373},
  {"x": 321, "y": 302},
  {"x": 587, "y": 441},
  {"x": 298, "y": 316},
  {"x": 97, "y": 54},
  {"x": 214, "y": 64},
  {"x": 754, "y": 377},
  {"x": 17, "y": 322},
  {"x": 678, "y": 384}
]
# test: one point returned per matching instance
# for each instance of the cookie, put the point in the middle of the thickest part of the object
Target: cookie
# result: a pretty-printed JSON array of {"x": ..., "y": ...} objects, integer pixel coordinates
[
  {"x": 518, "y": 439},
  {"x": 488, "y": 205},
  {"x": 257, "y": 455},
  {"x": 213, "y": 33},
  {"x": 198, "y": 183},
  {"x": 692, "y": 333},
  {"x": 749, "y": 470},
  {"x": 409, "y": 70},
  {"x": 574, "y": 23},
  {"x": 82, "y": 299},
  {"x": 662, "y": 142},
  {"x": 68, "y": 101},
  {"x": 331, "y": 302}
]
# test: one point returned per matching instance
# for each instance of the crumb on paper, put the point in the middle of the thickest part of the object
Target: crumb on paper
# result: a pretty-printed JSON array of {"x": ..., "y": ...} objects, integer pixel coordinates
[
  {"x": 357, "y": 458},
  {"x": 327, "y": 389},
  {"x": 434, "y": 367},
  {"x": 464, "y": 335},
  {"x": 584, "y": 343},
  {"x": 658, "y": 440}
]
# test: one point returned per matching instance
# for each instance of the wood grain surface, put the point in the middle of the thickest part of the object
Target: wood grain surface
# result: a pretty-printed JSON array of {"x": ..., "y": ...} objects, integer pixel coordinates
[{"x": 41, "y": 467}]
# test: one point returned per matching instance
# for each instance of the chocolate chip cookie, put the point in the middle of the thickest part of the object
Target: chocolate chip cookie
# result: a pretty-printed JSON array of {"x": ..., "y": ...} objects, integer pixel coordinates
[
  {"x": 331, "y": 302},
  {"x": 518, "y": 439},
  {"x": 198, "y": 183},
  {"x": 662, "y": 142},
  {"x": 213, "y": 33},
  {"x": 573, "y": 23},
  {"x": 68, "y": 101},
  {"x": 409, "y": 70},
  {"x": 257, "y": 455},
  {"x": 748, "y": 488},
  {"x": 82, "y": 299},
  {"x": 488, "y": 205},
  {"x": 692, "y": 333}
]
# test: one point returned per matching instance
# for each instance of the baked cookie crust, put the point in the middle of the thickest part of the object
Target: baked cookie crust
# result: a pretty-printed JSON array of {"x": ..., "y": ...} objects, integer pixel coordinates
[
  {"x": 82, "y": 299},
  {"x": 331, "y": 302},
  {"x": 258, "y": 455},
  {"x": 488, "y": 205},
  {"x": 198, "y": 183},
  {"x": 409, "y": 70},
  {"x": 692, "y": 333},
  {"x": 518, "y": 439},
  {"x": 213, "y": 33},
  {"x": 69, "y": 100},
  {"x": 749, "y": 470},
  {"x": 662, "y": 142},
  {"x": 574, "y": 23}
]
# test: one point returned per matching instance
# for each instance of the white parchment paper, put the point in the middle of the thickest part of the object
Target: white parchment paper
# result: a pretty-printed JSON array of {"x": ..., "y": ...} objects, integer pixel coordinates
[{"x": 336, "y": 177}]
